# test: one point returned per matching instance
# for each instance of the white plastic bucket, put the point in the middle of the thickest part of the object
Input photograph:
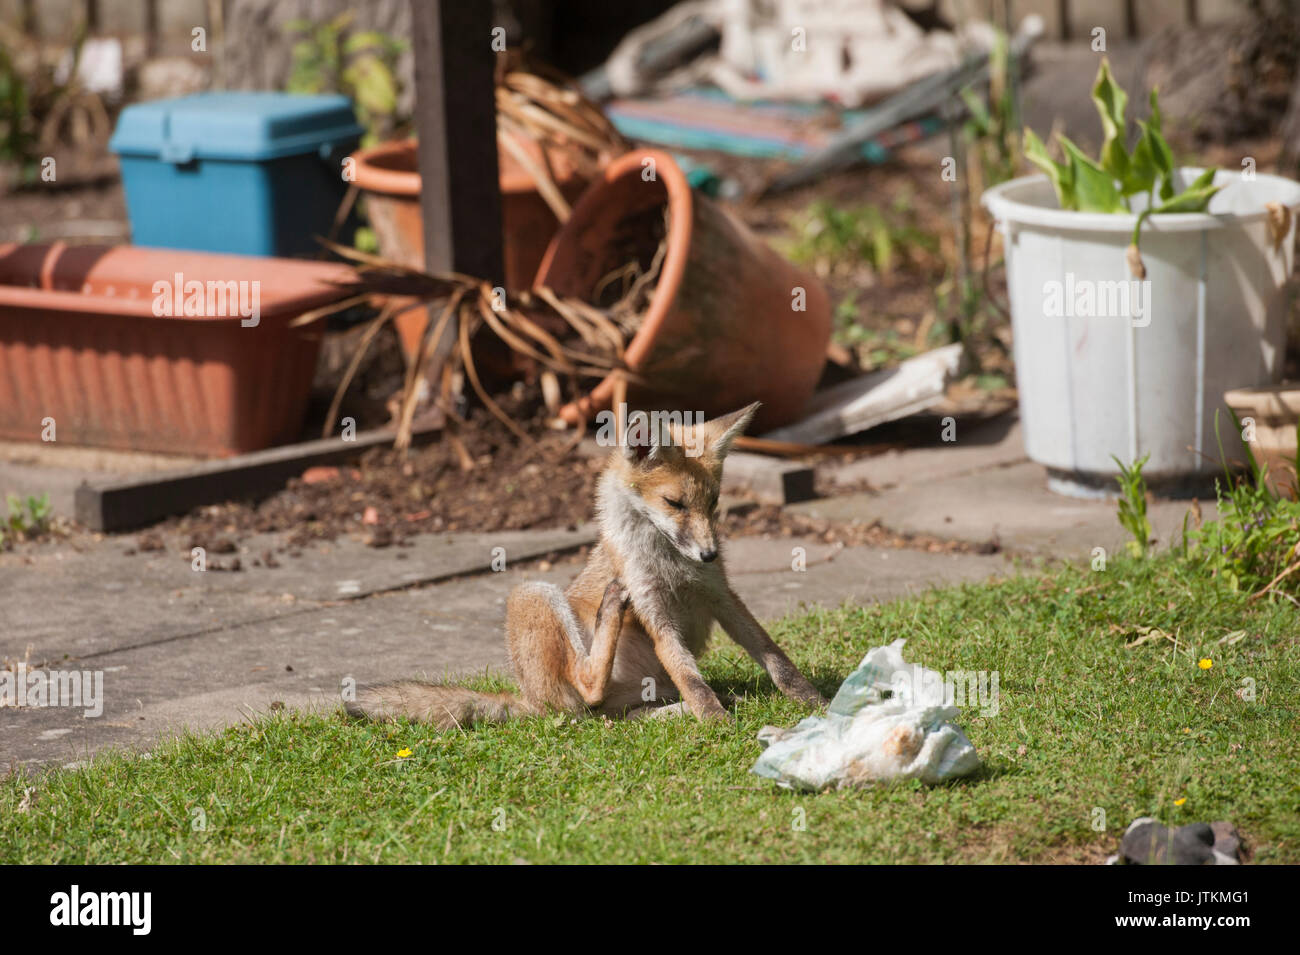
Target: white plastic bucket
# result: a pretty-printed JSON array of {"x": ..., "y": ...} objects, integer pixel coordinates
[{"x": 1108, "y": 366}]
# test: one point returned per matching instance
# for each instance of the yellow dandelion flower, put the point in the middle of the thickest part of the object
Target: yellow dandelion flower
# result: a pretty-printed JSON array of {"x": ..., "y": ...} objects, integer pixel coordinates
[
  {"x": 1205, "y": 663},
  {"x": 1179, "y": 802},
  {"x": 403, "y": 753}
]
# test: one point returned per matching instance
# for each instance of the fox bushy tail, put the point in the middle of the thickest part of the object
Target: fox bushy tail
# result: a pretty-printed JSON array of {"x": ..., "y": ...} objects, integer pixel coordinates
[{"x": 446, "y": 707}]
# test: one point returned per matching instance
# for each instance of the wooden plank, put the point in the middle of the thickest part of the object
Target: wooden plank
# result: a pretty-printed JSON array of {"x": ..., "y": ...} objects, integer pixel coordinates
[
  {"x": 865, "y": 402},
  {"x": 138, "y": 501},
  {"x": 771, "y": 480}
]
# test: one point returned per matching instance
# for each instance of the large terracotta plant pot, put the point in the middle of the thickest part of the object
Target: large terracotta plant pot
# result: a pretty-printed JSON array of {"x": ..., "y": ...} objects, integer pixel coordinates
[
  {"x": 1269, "y": 415},
  {"x": 389, "y": 176},
  {"x": 730, "y": 321},
  {"x": 90, "y": 355}
]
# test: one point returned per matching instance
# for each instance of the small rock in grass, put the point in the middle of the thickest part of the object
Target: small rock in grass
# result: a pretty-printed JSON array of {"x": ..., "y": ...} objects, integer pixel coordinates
[
  {"x": 1147, "y": 842},
  {"x": 149, "y": 542}
]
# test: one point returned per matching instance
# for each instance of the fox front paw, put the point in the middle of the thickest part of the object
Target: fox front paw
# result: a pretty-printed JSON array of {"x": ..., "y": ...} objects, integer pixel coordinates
[
  {"x": 795, "y": 685},
  {"x": 807, "y": 694},
  {"x": 709, "y": 708}
]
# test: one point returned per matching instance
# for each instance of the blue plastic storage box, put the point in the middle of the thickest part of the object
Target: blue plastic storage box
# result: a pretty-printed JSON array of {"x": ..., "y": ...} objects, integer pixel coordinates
[{"x": 252, "y": 173}]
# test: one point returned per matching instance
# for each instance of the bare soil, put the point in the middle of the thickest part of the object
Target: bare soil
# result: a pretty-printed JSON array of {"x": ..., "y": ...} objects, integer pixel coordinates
[{"x": 386, "y": 497}]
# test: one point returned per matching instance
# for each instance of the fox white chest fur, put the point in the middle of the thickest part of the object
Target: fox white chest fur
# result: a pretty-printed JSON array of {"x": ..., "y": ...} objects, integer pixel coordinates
[{"x": 665, "y": 585}]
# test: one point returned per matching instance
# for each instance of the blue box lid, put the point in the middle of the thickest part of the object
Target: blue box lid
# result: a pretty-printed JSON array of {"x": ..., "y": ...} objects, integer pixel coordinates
[{"x": 250, "y": 126}]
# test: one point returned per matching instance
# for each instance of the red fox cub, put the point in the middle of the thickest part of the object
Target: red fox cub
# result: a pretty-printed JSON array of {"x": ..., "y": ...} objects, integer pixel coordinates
[{"x": 622, "y": 640}]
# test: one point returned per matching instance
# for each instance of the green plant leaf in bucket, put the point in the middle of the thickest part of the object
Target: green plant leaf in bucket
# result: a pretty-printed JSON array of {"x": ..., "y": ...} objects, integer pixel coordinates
[
  {"x": 1111, "y": 102},
  {"x": 1062, "y": 175},
  {"x": 1195, "y": 198},
  {"x": 1094, "y": 187},
  {"x": 1106, "y": 185},
  {"x": 1160, "y": 152}
]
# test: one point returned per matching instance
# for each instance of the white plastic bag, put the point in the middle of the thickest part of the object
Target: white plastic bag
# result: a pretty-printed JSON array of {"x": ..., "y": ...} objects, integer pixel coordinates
[{"x": 889, "y": 720}]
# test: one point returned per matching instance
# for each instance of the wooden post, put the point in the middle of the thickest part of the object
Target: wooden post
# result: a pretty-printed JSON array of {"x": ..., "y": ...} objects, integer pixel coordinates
[
  {"x": 456, "y": 119},
  {"x": 151, "y": 27}
]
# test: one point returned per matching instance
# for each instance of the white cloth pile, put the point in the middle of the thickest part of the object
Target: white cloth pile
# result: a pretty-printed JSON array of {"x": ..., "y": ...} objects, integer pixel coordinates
[{"x": 890, "y": 720}]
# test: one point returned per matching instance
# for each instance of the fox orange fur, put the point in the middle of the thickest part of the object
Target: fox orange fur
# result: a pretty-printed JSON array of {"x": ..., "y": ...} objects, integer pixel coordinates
[{"x": 623, "y": 639}]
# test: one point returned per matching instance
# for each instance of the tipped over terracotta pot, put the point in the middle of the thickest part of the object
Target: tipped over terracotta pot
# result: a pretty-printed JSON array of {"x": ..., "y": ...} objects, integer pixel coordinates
[{"x": 730, "y": 321}]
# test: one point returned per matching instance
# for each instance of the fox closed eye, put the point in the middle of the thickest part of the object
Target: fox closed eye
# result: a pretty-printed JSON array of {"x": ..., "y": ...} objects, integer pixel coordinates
[{"x": 676, "y": 505}]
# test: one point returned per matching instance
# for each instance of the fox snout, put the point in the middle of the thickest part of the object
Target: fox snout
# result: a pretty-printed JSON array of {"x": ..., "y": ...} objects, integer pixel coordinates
[
  {"x": 699, "y": 540},
  {"x": 704, "y": 553}
]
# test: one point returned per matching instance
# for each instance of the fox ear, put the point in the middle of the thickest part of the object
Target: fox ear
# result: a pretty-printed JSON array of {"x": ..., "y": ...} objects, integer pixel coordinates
[
  {"x": 724, "y": 431},
  {"x": 647, "y": 440}
]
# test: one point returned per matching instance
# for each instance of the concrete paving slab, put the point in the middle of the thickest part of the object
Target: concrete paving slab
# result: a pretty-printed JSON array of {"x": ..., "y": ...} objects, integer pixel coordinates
[
  {"x": 206, "y": 680},
  {"x": 989, "y": 444},
  {"x": 178, "y": 648},
  {"x": 856, "y": 575},
  {"x": 88, "y": 601},
  {"x": 1009, "y": 503},
  {"x": 79, "y": 607},
  {"x": 347, "y": 569}
]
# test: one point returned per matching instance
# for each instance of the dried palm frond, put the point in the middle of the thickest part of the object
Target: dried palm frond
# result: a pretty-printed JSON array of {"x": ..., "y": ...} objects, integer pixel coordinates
[
  {"x": 389, "y": 309},
  {"x": 595, "y": 350},
  {"x": 553, "y": 113},
  {"x": 543, "y": 175}
]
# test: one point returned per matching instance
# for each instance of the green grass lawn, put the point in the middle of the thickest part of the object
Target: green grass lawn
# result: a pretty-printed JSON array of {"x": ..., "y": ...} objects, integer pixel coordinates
[{"x": 1085, "y": 723}]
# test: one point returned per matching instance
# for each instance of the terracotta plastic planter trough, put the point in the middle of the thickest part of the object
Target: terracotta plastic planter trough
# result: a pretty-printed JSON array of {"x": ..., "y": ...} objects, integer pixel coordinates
[
  {"x": 85, "y": 341},
  {"x": 389, "y": 176},
  {"x": 724, "y": 327}
]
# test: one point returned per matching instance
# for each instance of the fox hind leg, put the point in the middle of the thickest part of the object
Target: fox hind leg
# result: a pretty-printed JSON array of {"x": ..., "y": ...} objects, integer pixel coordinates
[{"x": 551, "y": 658}]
